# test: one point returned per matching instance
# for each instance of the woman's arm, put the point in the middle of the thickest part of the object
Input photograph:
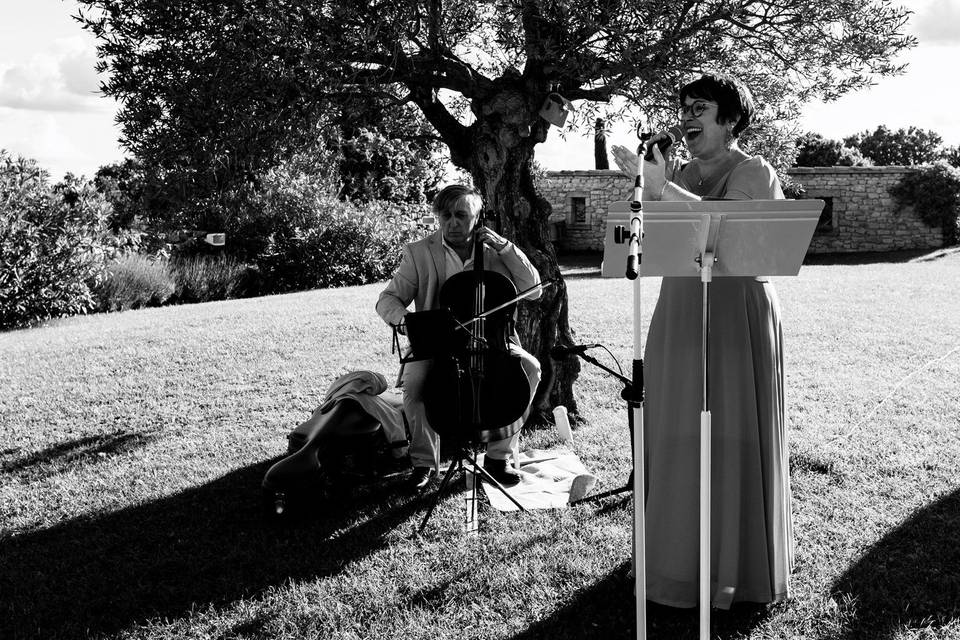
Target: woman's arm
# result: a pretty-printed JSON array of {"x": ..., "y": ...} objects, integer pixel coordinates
[{"x": 673, "y": 191}]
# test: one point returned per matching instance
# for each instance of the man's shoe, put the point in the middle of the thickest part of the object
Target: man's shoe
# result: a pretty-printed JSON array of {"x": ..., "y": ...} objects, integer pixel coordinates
[
  {"x": 420, "y": 477},
  {"x": 501, "y": 471}
]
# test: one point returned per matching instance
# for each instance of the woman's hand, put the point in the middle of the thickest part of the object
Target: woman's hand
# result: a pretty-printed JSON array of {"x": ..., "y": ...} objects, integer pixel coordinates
[
  {"x": 654, "y": 175},
  {"x": 626, "y": 160},
  {"x": 492, "y": 238}
]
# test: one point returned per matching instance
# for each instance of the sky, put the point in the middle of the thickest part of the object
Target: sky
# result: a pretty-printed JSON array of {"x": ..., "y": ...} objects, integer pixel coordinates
[{"x": 50, "y": 109}]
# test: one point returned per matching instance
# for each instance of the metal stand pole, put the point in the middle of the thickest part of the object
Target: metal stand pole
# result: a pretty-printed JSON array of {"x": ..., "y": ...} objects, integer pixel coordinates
[
  {"x": 706, "y": 275},
  {"x": 639, "y": 475},
  {"x": 634, "y": 262},
  {"x": 628, "y": 485},
  {"x": 628, "y": 394},
  {"x": 465, "y": 458}
]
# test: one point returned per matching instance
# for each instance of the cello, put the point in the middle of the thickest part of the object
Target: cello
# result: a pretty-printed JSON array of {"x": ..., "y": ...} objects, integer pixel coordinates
[{"x": 477, "y": 390}]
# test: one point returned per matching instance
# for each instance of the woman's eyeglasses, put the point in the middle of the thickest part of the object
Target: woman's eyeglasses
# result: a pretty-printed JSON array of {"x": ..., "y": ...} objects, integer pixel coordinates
[{"x": 695, "y": 109}]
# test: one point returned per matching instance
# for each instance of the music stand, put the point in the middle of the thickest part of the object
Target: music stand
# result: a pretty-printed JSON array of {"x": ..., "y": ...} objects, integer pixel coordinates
[
  {"x": 466, "y": 462},
  {"x": 704, "y": 239},
  {"x": 431, "y": 332}
]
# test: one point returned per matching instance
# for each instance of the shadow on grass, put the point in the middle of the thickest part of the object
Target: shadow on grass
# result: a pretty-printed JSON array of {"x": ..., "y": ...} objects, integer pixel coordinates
[
  {"x": 910, "y": 578},
  {"x": 51, "y": 460},
  {"x": 207, "y": 545},
  {"x": 606, "y": 610},
  {"x": 575, "y": 266},
  {"x": 868, "y": 257}
]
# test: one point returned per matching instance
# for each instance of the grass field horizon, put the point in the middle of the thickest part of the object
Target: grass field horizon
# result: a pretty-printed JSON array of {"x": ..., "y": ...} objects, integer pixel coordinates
[{"x": 132, "y": 446}]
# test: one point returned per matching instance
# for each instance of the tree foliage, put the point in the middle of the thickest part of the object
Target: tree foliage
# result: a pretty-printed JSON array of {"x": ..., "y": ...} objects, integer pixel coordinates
[
  {"x": 903, "y": 147},
  {"x": 813, "y": 150},
  {"x": 245, "y": 80},
  {"x": 53, "y": 243},
  {"x": 392, "y": 156},
  {"x": 934, "y": 193},
  {"x": 952, "y": 156}
]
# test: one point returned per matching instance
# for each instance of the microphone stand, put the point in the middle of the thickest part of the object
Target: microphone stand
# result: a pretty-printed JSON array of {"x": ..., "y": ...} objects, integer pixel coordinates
[
  {"x": 635, "y": 402},
  {"x": 626, "y": 394}
]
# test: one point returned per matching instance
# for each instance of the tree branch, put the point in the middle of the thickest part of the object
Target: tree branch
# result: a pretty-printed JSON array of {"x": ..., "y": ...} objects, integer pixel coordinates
[{"x": 454, "y": 134}]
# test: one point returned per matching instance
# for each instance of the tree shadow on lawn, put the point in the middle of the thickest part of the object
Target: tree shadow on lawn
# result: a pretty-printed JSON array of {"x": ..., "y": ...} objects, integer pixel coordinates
[
  {"x": 207, "y": 545},
  {"x": 52, "y": 459},
  {"x": 606, "y": 609},
  {"x": 576, "y": 266},
  {"x": 870, "y": 257},
  {"x": 910, "y": 578}
]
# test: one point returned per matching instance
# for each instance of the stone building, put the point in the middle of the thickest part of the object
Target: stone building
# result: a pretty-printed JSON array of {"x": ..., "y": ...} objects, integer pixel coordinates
[{"x": 860, "y": 214}]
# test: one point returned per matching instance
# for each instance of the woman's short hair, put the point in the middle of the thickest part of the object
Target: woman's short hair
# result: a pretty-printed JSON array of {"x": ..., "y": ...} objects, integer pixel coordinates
[
  {"x": 735, "y": 103},
  {"x": 451, "y": 195}
]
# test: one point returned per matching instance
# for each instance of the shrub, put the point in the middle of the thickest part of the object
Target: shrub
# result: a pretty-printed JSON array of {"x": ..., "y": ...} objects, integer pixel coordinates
[
  {"x": 133, "y": 281},
  {"x": 202, "y": 278},
  {"x": 934, "y": 192},
  {"x": 53, "y": 244},
  {"x": 792, "y": 190},
  {"x": 341, "y": 244}
]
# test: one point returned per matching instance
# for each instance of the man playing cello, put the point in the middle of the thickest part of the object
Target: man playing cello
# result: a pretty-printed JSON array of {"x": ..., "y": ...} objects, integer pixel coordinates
[{"x": 425, "y": 266}]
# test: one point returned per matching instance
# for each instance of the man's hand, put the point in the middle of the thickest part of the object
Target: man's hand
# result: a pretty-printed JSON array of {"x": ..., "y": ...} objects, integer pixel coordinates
[
  {"x": 491, "y": 238},
  {"x": 401, "y": 327}
]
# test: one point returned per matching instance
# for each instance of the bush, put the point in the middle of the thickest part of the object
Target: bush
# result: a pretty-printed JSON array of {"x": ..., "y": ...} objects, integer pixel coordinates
[
  {"x": 203, "y": 278},
  {"x": 934, "y": 192},
  {"x": 133, "y": 281},
  {"x": 53, "y": 244},
  {"x": 300, "y": 236},
  {"x": 341, "y": 244}
]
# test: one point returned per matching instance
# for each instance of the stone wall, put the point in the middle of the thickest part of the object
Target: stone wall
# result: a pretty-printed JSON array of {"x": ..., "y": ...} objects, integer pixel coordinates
[
  {"x": 865, "y": 215},
  {"x": 598, "y": 188},
  {"x": 862, "y": 216}
]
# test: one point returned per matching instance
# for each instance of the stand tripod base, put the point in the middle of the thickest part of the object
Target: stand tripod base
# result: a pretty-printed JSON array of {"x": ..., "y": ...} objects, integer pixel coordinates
[
  {"x": 606, "y": 494},
  {"x": 464, "y": 460}
]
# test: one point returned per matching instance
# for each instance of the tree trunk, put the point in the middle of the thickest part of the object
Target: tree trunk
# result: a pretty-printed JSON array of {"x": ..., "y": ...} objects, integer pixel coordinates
[
  {"x": 600, "y": 146},
  {"x": 500, "y": 160}
]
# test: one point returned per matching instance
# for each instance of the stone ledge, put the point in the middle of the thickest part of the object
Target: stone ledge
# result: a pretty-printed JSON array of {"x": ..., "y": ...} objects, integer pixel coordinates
[
  {"x": 586, "y": 173},
  {"x": 847, "y": 170}
]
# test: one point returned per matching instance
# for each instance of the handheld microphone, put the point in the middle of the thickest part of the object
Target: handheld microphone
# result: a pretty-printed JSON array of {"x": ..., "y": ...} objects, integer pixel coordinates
[
  {"x": 673, "y": 135},
  {"x": 562, "y": 351}
]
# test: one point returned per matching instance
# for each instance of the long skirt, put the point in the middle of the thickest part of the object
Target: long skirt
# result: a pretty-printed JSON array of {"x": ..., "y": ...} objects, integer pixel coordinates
[{"x": 752, "y": 537}]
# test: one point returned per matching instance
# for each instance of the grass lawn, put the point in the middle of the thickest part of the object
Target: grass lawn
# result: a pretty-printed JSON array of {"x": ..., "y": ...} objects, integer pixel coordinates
[{"x": 132, "y": 446}]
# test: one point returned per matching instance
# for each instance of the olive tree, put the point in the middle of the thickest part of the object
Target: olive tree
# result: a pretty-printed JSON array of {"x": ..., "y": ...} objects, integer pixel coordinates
[{"x": 479, "y": 71}]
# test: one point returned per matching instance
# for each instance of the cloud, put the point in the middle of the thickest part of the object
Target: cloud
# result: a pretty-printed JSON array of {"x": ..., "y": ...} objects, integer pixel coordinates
[
  {"x": 60, "y": 141},
  {"x": 935, "y": 21},
  {"x": 63, "y": 79}
]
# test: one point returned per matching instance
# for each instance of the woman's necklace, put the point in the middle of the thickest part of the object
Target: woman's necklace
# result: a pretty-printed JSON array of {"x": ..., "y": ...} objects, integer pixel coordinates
[{"x": 710, "y": 177}]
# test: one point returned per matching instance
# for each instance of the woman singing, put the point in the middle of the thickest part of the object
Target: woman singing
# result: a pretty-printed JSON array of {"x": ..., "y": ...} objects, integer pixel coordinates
[{"x": 752, "y": 538}]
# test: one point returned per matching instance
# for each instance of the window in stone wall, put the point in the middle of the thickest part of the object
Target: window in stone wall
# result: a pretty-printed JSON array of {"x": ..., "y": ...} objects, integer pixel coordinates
[
  {"x": 825, "y": 224},
  {"x": 578, "y": 210}
]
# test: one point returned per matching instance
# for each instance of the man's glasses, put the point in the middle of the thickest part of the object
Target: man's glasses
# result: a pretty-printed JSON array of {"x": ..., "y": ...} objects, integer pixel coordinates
[{"x": 695, "y": 109}]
